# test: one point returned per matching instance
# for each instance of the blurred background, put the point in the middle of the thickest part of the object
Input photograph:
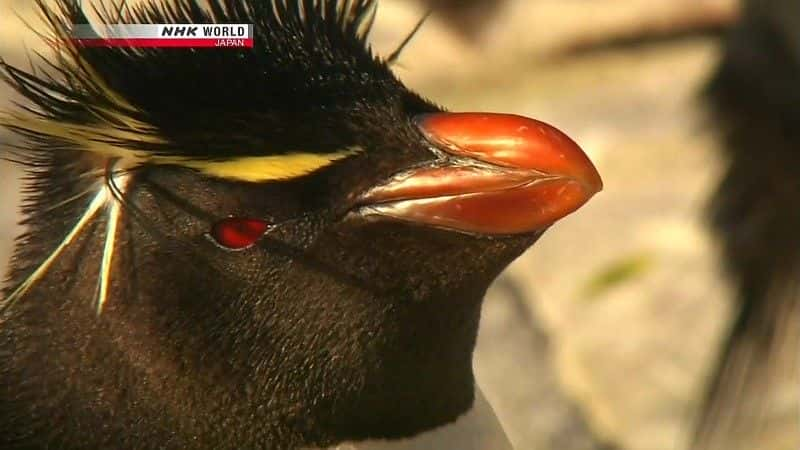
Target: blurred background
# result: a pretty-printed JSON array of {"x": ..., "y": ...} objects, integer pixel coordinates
[{"x": 604, "y": 336}]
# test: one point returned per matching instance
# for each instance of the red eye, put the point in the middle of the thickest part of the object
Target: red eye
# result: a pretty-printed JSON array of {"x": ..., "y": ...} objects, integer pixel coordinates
[{"x": 237, "y": 233}]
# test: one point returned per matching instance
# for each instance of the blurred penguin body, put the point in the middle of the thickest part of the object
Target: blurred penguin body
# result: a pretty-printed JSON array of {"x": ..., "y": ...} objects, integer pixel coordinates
[{"x": 755, "y": 98}]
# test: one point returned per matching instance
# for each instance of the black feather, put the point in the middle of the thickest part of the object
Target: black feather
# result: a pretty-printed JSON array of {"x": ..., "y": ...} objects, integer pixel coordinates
[{"x": 755, "y": 212}]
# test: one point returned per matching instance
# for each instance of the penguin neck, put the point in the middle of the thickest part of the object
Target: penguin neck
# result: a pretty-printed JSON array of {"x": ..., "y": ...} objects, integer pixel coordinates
[
  {"x": 477, "y": 429},
  {"x": 169, "y": 367}
]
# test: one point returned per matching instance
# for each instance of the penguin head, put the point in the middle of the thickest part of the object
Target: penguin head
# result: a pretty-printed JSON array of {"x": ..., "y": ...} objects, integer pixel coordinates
[{"x": 306, "y": 238}]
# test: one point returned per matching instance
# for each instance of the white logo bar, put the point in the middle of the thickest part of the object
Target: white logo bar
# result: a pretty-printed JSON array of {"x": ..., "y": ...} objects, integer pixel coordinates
[{"x": 164, "y": 35}]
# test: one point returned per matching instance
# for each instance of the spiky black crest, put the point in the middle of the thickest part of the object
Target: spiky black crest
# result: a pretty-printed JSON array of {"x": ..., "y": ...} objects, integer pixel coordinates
[{"x": 310, "y": 60}]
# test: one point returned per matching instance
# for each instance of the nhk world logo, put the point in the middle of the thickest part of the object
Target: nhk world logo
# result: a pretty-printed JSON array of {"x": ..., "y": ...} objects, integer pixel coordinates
[{"x": 164, "y": 35}]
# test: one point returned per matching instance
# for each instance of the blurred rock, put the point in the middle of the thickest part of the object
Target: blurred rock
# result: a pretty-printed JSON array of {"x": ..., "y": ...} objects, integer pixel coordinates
[{"x": 514, "y": 360}]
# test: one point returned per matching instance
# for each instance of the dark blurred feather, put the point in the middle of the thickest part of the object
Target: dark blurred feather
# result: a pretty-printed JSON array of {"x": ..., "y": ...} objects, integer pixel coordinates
[{"x": 755, "y": 212}]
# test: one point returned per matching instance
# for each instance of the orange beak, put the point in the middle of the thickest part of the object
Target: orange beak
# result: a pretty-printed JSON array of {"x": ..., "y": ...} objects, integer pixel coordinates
[{"x": 499, "y": 174}]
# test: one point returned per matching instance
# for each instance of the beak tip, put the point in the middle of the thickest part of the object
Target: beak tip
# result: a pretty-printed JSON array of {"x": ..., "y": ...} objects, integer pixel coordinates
[{"x": 593, "y": 180}]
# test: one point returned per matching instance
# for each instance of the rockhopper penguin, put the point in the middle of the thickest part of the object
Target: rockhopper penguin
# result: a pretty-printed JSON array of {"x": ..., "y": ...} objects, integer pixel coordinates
[
  {"x": 754, "y": 98},
  {"x": 270, "y": 248}
]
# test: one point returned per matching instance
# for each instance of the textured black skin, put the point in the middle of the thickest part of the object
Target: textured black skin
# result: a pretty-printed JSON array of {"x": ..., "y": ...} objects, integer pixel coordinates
[
  {"x": 755, "y": 98},
  {"x": 333, "y": 328}
]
